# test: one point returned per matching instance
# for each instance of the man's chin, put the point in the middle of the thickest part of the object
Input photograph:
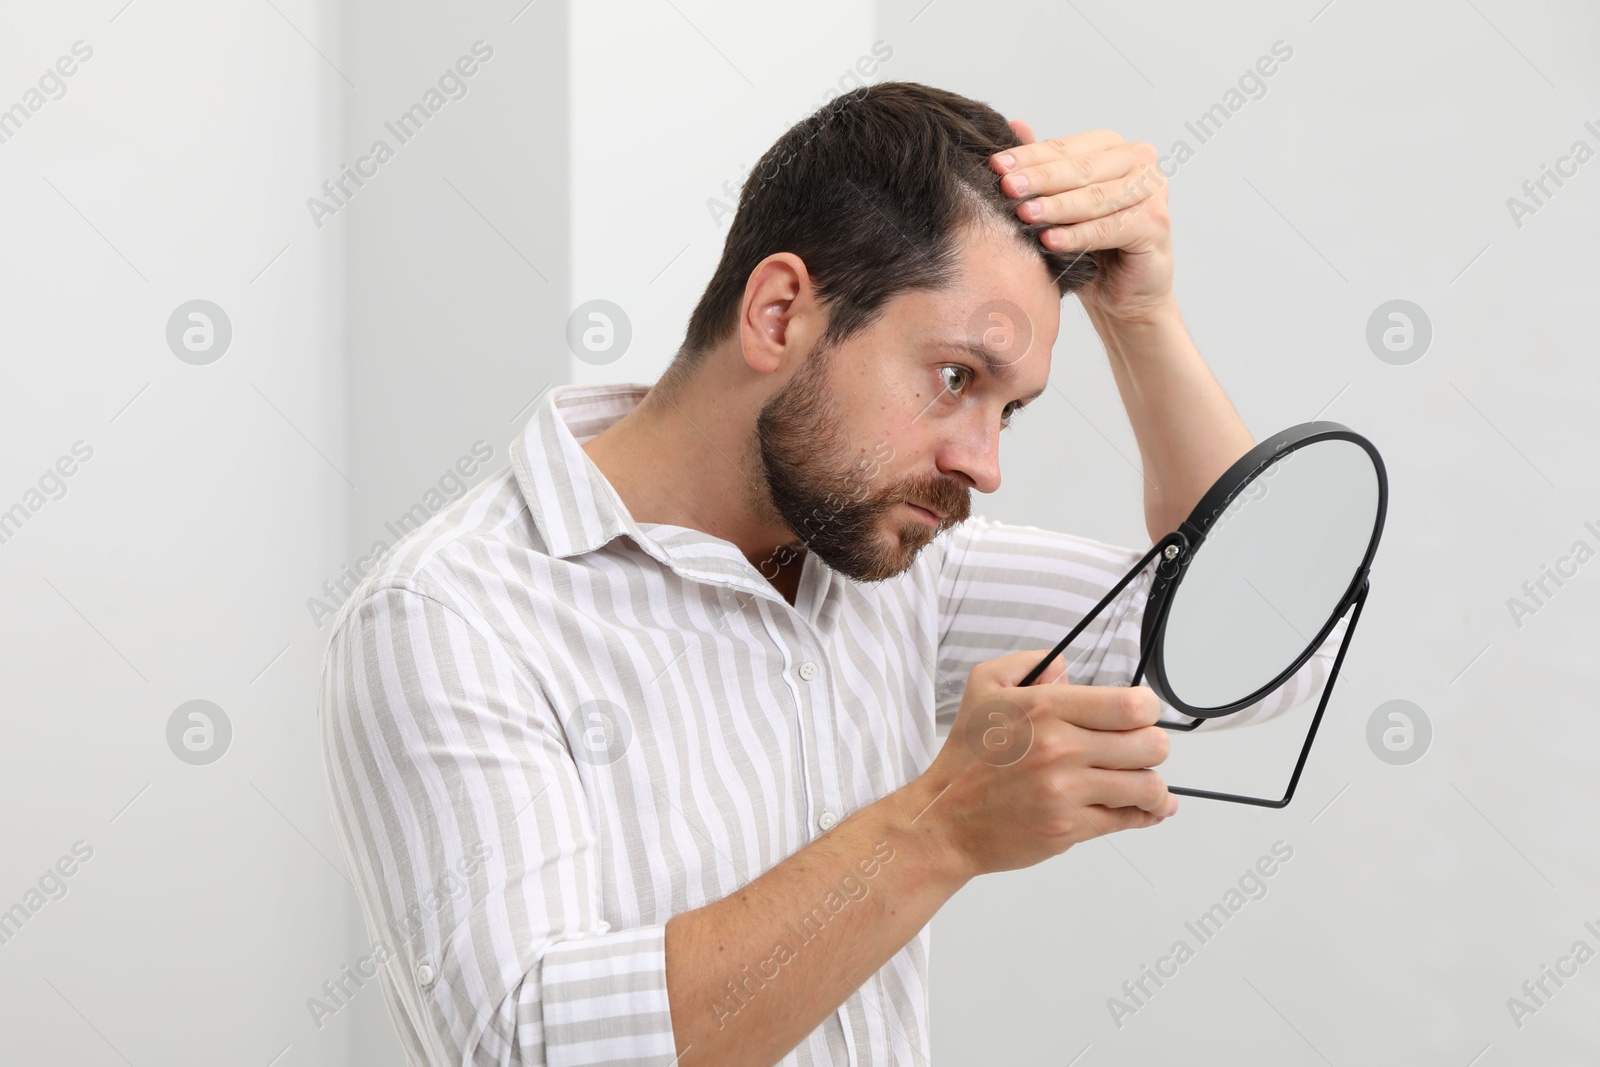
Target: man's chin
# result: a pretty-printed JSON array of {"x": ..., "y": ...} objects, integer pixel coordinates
[{"x": 905, "y": 541}]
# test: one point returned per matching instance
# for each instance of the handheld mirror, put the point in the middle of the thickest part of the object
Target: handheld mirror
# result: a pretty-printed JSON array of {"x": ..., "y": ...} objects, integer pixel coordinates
[{"x": 1250, "y": 585}]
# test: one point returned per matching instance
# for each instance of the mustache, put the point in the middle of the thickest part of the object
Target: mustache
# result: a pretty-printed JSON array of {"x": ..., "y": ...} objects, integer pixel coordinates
[{"x": 944, "y": 498}]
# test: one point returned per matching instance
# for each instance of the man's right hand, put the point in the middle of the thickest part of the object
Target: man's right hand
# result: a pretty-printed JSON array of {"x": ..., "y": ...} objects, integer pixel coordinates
[{"x": 1029, "y": 771}]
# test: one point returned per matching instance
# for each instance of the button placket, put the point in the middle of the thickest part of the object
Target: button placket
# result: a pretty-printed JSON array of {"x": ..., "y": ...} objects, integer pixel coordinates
[{"x": 825, "y": 789}]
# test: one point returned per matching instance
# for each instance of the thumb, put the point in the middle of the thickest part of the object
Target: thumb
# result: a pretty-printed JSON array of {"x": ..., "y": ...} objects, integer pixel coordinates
[{"x": 1011, "y": 669}]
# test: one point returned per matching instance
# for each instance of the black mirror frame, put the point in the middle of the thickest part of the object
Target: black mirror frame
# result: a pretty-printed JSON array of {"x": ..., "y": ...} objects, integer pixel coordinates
[{"x": 1175, "y": 550}]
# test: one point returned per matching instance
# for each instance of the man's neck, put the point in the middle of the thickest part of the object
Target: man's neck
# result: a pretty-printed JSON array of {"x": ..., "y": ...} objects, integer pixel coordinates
[
  {"x": 686, "y": 461},
  {"x": 787, "y": 580}
]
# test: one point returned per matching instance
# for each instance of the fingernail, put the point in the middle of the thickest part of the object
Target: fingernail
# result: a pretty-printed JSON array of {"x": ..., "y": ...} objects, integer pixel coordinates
[
  {"x": 1172, "y": 809},
  {"x": 1019, "y": 185},
  {"x": 1007, "y": 160}
]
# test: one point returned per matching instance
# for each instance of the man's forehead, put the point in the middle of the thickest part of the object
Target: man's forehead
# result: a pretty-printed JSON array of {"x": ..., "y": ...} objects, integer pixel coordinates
[
  {"x": 995, "y": 317},
  {"x": 1001, "y": 284}
]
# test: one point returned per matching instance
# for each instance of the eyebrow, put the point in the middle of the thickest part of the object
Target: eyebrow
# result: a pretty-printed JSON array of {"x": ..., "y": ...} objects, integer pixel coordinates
[{"x": 1000, "y": 372}]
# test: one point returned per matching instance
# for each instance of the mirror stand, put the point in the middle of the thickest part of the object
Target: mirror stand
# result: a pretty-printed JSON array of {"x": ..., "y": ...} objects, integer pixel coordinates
[{"x": 1305, "y": 749}]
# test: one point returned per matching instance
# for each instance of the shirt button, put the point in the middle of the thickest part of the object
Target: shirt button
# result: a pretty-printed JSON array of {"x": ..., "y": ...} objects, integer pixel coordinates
[
  {"x": 425, "y": 974},
  {"x": 808, "y": 670},
  {"x": 827, "y": 820}
]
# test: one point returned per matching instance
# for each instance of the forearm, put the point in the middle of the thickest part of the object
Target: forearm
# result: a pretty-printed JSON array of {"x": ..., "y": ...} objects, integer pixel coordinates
[
  {"x": 1187, "y": 429},
  {"x": 749, "y": 976}
]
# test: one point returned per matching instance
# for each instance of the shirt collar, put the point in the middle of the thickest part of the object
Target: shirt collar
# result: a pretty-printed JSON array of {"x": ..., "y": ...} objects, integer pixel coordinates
[{"x": 572, "y": 503}]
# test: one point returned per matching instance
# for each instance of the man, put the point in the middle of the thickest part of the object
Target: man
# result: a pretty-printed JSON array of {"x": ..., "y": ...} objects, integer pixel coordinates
[{"x": 634, "y": 751}]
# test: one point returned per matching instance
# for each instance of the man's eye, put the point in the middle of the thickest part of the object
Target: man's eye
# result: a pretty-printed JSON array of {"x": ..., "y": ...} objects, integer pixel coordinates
[
  {"x": 966, "y": 376},
  {"x": 1012, "y": 410}
]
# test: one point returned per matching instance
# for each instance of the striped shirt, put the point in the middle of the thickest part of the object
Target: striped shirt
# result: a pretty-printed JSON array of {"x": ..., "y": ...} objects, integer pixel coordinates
[{"x": 548, "y": 728}]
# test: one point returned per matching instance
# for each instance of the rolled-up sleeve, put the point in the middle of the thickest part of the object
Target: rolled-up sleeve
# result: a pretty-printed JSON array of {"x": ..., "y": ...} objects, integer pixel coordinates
[
  {"x": 463, "y": 820},
  {"x": 1005, "y": 587}
]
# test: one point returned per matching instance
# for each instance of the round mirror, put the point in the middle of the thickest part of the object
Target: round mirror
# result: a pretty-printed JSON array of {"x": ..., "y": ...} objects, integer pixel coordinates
[{"x": 1275, "y": 554}]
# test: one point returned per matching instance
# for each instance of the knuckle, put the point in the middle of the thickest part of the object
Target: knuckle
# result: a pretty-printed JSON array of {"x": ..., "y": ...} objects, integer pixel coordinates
[
  {"x": 1149, "y": 706},
  {"x": 1059, "y": 826},
  {"x": 986, "y": 673},
  {"x": 1155, "y": 790},
  {"x": 1068, "y": 746},
  {"x": 1097, "y": 195},
  {"x": 1055, "y": 796},
  {"x": 1161, "y": 742},
  {"x": 1016, "y": 704},
  {"x": 1146, "y": 152},
  {"x": 1084, "y": 167},
  {"x": 1055, "y": 745},
  {"x": 1026, "y": 708},
  {"x": 1133, "y": 704},
  {"x": 1046, "y": 747}
]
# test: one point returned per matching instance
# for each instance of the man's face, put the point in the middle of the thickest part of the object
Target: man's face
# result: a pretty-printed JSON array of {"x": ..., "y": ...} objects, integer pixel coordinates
[{"x": 904, "y": 413}]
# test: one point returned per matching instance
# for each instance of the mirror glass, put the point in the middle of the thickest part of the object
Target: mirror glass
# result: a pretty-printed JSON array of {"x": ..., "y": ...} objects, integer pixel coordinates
[{"x": 1269, "y": 573}]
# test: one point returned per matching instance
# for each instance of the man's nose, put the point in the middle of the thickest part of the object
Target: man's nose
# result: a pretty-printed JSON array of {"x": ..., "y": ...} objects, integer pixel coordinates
[{"x": 974, "y": 458}]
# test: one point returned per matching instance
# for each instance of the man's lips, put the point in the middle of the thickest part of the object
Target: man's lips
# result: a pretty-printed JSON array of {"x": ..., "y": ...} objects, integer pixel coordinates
[{"x": 928, "y": 513}]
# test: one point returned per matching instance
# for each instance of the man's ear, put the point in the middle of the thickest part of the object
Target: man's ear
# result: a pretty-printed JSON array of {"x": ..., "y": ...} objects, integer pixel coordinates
[{"x": 778, "y": 314}]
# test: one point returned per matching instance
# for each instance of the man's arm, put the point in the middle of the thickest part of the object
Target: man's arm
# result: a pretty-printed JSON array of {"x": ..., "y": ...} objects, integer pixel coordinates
[
  {"x": 1187, "y": 429},
  {"x": 751, "y": 975}
]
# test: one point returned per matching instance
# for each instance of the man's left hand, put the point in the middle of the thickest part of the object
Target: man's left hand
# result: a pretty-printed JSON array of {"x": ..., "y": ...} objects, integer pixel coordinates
[{"x": 1105, "y": 196}]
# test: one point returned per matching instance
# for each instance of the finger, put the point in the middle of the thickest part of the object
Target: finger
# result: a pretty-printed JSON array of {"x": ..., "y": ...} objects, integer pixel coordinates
[
  {"x": 1110, "y": 820},
  {"x": 1096, "y": 200},
  {"x": 1075, "y": 144},
  {"x": 1139, "y": 228},
  {"x": 1103, "y": 707},
  {"x": 1010, "y": 669},
  {"x": 1117, "y": 750},
  {"x": 1061, "y": 173},
  {"x": 1142, "y": 789}
]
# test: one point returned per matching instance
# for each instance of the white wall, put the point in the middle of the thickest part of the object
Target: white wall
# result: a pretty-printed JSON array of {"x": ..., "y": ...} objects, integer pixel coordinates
[
  {"x": 174, "y": 568},
  {"x": 672, "y": 104}
]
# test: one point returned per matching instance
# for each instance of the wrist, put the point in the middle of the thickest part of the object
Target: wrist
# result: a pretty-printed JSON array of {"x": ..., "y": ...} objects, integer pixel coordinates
[
  {"x": 1154, "y": 314},
  {"x": 914, "y": 816}
]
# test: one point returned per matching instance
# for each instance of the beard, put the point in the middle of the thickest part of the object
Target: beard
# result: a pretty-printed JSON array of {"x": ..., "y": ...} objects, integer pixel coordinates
[{"x": 832, "y": 495}]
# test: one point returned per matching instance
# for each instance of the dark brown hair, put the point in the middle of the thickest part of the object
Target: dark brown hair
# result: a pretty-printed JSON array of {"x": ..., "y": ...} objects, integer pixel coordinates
[{"x": 872, "y": 192}]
